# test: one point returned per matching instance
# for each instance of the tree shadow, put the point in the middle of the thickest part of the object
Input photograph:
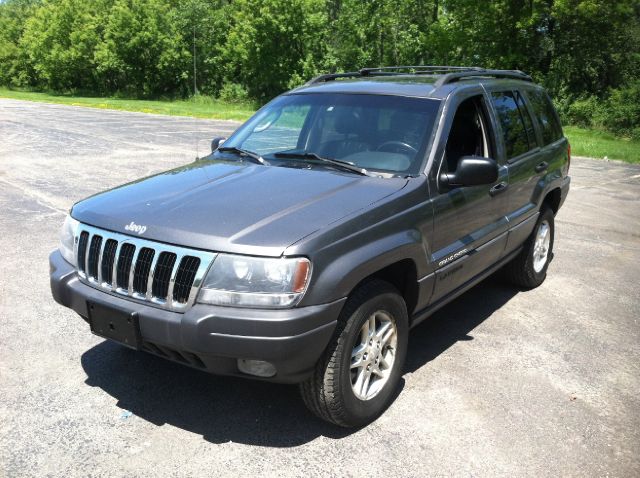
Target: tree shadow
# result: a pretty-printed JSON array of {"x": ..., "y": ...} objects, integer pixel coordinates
[{"x": 224, "y": 409}]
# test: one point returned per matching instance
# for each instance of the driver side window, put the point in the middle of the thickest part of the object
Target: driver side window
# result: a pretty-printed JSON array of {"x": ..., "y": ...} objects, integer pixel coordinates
[{"x": 468, "y": 135}]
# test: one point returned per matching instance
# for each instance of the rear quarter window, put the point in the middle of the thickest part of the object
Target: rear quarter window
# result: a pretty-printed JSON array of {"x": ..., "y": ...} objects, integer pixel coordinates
[{"x": 545, "y": 116}]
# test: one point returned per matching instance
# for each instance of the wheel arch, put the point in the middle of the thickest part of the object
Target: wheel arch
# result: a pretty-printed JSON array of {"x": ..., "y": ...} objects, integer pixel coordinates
[
  {"x": 403, "y": 275},
  {"x": 552, "y": 200},
  {"x": 399, "y": 260}
]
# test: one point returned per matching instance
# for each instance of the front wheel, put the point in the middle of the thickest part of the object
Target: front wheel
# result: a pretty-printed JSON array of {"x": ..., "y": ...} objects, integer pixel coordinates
[
  {"x": 529, "y": 268},
  {"x": 356, "y": 379}
]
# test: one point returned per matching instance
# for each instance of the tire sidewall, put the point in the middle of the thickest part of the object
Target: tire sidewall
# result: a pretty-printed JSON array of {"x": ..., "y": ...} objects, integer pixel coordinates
[
  {"x": 364, "y": 411},
  {"x": 538, "y": 277}
]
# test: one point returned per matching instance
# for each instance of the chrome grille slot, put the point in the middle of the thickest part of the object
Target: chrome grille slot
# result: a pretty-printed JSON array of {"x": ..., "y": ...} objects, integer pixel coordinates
[
  {"x": 124, "y": 265},
  {"x": 94, "y": 255},
  {"x": 141, "y": 272},
  {"x": 157, "y": 274},
  {"x": 82, "y": 250},
  {"x": 108, "y": 258},
  {"x": 162, "y": 275},
  {"x": 184, "y": 278}
]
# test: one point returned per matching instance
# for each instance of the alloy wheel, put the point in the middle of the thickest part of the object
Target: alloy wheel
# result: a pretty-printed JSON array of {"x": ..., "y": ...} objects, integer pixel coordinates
[{"x": 373, "y": 355}]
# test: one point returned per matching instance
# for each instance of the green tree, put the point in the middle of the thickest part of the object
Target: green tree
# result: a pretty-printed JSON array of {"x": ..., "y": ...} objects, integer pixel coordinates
[
  {"x": 143, "y": 52},
  {"x": 587, "y": 52},
  {"x": 272, "y": 45},
  {"x": 59, "y": 39},
  {"x": 205, "y": 23},
  {"x": 596, "y": 45},
  {"x": 15, "y": 67}
]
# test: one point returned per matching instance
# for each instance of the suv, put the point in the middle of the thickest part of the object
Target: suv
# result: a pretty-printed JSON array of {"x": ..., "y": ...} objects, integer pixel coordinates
[{"x": 341, "y": 215}]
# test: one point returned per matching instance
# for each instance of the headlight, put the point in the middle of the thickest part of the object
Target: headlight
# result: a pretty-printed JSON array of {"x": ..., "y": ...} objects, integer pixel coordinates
[
  {"x": 67, "y": 238},
  {"x": 245, "y": 281}
]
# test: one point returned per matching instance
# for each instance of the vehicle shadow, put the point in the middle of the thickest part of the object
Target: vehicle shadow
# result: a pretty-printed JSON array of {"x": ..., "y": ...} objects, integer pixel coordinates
[
  {"x": 224, "y": 409},
  {"x": 221, "y": 409},
  {"x": 453, "y": 322}
]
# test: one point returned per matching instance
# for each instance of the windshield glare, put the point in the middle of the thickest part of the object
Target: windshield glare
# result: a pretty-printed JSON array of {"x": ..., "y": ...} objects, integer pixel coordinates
[{"x": 380, "y": 133}]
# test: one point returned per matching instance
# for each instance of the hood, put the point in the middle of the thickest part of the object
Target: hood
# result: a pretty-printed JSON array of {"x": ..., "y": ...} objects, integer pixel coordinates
[{"x": 233, "y": 206}]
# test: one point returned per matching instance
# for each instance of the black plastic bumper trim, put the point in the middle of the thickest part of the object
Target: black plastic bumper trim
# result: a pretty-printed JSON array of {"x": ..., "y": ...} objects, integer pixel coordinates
[{"x": 291, "y": 339}]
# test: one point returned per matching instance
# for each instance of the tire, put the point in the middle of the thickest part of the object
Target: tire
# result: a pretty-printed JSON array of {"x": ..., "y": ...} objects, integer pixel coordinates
[
  {"x": 527, "y": 269},
  {"x": 329, "y": 392}
]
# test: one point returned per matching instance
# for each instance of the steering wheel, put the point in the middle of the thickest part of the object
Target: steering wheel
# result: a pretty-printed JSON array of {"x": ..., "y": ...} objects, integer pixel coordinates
[{"x": 397, "y": 145}]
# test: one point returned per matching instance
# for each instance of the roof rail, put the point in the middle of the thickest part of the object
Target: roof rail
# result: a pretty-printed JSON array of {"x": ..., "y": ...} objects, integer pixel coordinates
[
  {"x": 450, "y": 74},
  {"x": 331, "y": 77},
  {"x": 419, "y": 69},
  {"x": 349, "y": 74},
  {"x": 456, "y": 76}
]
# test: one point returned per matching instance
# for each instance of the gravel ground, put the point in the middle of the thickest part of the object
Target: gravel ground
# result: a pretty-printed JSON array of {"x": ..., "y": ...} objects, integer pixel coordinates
[{"x": 498, "y": 383}]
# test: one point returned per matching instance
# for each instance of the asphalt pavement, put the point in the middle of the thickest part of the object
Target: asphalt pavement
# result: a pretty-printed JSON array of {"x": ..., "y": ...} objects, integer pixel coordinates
[{"x": 500, "y": 382}]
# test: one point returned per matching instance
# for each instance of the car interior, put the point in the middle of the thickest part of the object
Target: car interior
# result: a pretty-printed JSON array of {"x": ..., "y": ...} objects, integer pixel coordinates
[
  {"x": 468, "y": 135},
  {"x": 381, "y": 139}
]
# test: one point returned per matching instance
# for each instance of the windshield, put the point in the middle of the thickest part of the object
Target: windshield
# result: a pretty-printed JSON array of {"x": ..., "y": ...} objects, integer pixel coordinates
[{"x": 378, "y": 133}]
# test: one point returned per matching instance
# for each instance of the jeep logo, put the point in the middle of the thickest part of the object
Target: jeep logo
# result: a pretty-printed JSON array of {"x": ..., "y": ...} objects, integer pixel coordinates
[{"x": 133, "y": 227}]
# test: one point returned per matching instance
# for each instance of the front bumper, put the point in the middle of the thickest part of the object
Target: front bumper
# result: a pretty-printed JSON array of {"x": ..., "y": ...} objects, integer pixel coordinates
[{"x": 213, "y": 338}]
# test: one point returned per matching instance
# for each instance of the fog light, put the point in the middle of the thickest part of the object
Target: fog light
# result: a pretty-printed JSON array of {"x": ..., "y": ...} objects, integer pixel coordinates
[{"x": 259, "y": 368}]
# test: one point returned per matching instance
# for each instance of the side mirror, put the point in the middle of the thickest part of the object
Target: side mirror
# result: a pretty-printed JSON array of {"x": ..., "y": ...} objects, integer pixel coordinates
[
  {"x": 471, "y": 171},
  {"x": 216, "y": 142}
]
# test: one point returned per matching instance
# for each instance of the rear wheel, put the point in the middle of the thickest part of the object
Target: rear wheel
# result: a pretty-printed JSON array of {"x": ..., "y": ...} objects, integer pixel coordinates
[
  {"x": 356, "y": 379},
  {"x": 529, "y": 268}
]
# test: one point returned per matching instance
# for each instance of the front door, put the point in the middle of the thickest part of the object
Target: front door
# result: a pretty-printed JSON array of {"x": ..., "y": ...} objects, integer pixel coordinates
[{"x": 469, "y": 222}]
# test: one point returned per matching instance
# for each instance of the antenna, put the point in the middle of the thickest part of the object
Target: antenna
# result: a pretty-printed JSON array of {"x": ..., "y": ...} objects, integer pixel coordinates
[
  {"x": 197, "y": 141},
  {"x": 195, "y": 77}
]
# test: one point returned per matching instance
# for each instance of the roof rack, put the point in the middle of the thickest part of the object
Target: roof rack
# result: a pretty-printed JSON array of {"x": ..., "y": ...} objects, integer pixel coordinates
[
  {"x": 419, "y": 69},
  {"x": 450, "y": 74},
  {"x": 453, "y": 77}
]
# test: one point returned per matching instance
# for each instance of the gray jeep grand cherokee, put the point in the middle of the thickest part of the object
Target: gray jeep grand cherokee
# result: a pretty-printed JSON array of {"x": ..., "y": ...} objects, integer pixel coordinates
[{"x": 342, "y": 214}]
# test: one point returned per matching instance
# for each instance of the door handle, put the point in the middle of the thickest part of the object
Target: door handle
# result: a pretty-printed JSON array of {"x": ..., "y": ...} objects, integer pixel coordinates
[
  {"x": 542, "y": 166},
  {"x": 498, "y": 188}
]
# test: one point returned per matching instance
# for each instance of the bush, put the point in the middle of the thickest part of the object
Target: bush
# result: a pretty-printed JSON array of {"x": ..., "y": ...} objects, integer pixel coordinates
[
  {"x": 233, "y": 92},
  {"x": 583, "y": 112},
  {"x": 618, "y": 113},
  {"x": 621, "y": 114}
]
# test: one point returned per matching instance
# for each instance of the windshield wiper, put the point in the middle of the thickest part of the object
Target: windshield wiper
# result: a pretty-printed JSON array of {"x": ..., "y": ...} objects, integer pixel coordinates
[
  {"x": 333, "y": 162},
  {"x": 244, "y": 153}
]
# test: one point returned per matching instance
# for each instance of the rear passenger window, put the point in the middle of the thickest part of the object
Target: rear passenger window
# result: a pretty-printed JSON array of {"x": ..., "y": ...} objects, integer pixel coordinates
[
  {"x": 528, "y": 124},
  {"x": 512, "y": 121},
  {"x": 545, "y": 116}
]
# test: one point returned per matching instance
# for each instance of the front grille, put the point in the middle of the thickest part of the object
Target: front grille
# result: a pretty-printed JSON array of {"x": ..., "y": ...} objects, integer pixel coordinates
[
  {"x": 141, "y": 272},
  {"x": 108, "y": 257},
  {"x": 82, "y": 250},
  {"x": 124, "y": 265},
  {"x": 186, "y": 273},
  {"x": 163, "y": 275},
  {"x": 94, "y": 255}
]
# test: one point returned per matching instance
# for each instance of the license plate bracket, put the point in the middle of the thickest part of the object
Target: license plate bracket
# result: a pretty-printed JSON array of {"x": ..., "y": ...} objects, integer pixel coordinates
[{"x": 116, "y": 324}]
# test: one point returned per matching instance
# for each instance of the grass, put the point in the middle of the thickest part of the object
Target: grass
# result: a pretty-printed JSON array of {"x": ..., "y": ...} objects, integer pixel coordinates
[
  {"x": 584, "y": 142},
  {"x": 199, "y": 106},
  {"x": 598, "y": 144}
]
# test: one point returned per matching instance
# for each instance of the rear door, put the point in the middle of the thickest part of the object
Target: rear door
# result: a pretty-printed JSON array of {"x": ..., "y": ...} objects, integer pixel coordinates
[
  {"x": 523, "y": 157},
  {"x": 553, "y": 144}
]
